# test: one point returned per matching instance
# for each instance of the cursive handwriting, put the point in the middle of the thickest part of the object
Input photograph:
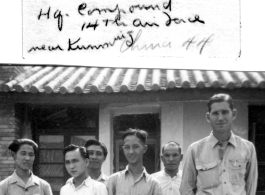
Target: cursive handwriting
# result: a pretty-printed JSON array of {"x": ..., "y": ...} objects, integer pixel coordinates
[
  {"x": 44, "y": 48},
  {"x": 198, "y": 43},
  {"x": 132, "y": 43}
]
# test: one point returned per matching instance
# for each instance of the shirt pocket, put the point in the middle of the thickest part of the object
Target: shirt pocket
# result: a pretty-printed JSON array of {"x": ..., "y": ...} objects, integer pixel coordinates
[
  {"x": 237, "y": 170},
  {"x": 207, "y": 175}
]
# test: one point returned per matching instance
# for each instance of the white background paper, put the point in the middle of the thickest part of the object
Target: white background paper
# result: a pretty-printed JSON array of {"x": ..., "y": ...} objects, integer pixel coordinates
[{"x": 252, "y": 44}]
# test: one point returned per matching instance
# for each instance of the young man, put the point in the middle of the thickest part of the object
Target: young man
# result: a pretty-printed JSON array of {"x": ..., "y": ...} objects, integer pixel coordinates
[
  {"x": 170, "y": 177},
  {"x": 76, "y": 162},
  {"x": 134, "y": 180},
  {"x": 97, "y": 152},
  {"x": 23, "y": 181},
  {"x": 221, "y": 163}
]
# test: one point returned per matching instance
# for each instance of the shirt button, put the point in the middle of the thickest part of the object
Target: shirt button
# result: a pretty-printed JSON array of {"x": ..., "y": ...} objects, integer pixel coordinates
[
  {"x": 26, "y": 189},
  {"x": 170, "y": 188},
  {"x": 223, "y": 170},
  {"x": 224, "y": 182}
]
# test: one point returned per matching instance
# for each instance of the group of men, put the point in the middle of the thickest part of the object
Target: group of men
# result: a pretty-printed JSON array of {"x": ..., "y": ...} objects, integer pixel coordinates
[{"x": 220, "y": 164}]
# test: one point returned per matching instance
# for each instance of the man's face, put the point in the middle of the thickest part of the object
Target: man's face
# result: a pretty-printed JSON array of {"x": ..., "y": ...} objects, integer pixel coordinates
[
  {"x": 24, "y": 157},
  {"x": 96, "y": 156},
  {"x": 75, "y": 164},
  {"x": 171, "y": 157},
  {"x": 221, "y": 117},
  {"x": 134, "y": 149}
]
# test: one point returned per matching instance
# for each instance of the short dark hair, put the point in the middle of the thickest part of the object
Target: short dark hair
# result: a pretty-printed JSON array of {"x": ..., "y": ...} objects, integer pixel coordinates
[
  {"x": 172, "y": 143},
  {"x": 17, "y": 143},
  {"x": 97, "y": 143},
  {"x": 141, "y": 134},
  {"x": 73, "y": 147},
  {"x": 221, "y": 97}
]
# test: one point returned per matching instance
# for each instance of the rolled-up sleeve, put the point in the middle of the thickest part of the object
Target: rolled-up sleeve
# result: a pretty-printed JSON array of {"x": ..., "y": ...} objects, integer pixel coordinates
[
  {"x": 252, "y": 172},
  {"x": 189, "y": 175}
]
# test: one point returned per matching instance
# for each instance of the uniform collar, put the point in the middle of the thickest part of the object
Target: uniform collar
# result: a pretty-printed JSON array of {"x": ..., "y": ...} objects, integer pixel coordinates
[
  {"x": 102, "y": 177},
  {"x": 33, "y": 180},
  {"x": 144, "y": 173},
  {"x": 164, "y": 171},
  {"x": 86, "y": 182},
  {"x": 213, "y": 141}
]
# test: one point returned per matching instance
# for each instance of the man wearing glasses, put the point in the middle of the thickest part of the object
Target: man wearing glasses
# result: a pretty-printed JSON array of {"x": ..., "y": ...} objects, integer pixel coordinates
[
  {"x": 134, "y": 180},
  {"x": 221, "y": 163}
]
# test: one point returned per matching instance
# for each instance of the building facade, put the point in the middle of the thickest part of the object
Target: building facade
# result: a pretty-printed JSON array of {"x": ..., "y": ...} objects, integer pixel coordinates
[{"x": 56, "y": 106}]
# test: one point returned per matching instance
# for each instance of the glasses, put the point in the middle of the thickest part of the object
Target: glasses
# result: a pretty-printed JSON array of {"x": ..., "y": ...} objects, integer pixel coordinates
[{"x": 128, "y": 148}]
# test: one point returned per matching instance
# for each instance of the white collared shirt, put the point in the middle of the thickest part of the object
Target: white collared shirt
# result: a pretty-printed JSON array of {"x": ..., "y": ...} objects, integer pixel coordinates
[
  {"x": 88, "y": 187},
  {"x": 14, "y": 185},
  {"x": 170, "y": 186}
]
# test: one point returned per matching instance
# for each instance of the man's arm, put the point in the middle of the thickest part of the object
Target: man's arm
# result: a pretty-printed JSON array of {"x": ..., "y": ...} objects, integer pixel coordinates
[
  {"x": 189, "y": 174},
  {"x": 111, "y": 185},
  {"x": 157, "y": 189},
  {"x": 252, "y": 172}
]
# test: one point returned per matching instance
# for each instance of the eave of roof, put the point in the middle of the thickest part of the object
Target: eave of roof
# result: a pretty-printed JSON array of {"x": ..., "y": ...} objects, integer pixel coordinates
[{"x": 56, "y": 79}]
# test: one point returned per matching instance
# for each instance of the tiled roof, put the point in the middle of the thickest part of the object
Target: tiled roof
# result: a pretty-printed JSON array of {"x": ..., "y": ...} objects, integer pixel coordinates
[{"x": 51, "y": 79}]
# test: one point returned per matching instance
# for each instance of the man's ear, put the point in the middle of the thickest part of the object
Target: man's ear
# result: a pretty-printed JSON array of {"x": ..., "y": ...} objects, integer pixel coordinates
[
  {"x": 145, "y": 148},
  {"x": 234, "y": 112},
  {"x": 181, "y": 158},
  {"x": 207, "y": 116},
  {"x": 87, "y": 161}
]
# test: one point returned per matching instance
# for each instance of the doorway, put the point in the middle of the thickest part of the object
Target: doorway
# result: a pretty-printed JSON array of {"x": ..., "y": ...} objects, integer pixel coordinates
[
  {"x": 257, "y": 136},
  {"x": 151, "y": 124}
]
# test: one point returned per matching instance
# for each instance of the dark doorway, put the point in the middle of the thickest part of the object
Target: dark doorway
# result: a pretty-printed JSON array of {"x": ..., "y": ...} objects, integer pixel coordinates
[
  {"x": 257, "y": 136},
  {"x": 147, "y": 122}
]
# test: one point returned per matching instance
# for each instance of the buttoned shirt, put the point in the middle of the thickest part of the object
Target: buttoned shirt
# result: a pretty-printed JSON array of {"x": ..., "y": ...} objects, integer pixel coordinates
[
  {"x": 206, "y": 172},
  {"x": 88, "y": 187},
  {"x": 170, "y": 185},
  {"x": 14, "y": 185},
  {"x": 123, "y": 183},
  {"x": 103, "y": 178}
]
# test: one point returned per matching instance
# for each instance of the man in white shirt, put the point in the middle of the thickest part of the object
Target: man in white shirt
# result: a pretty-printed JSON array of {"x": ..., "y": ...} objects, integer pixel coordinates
[
  {"x": 97, "y": 152},
  {"x": 76, "y": 162},
  {"x": 170, "y": 177}
]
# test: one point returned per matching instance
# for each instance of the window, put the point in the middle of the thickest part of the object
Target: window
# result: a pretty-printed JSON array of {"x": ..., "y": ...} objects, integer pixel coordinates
[{"x": 54, "y": 128}]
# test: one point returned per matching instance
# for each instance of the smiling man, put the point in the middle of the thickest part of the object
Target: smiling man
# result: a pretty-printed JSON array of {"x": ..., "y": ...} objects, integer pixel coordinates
[
  {"x": 170, "y": 177},
  {"x": 221, "y": 163},
  {"x": 23, "y": 181},
  {"x": 97, "y": 155},
  {"x": 134, "y": 180},
  {"x": 76, "y": 162}
]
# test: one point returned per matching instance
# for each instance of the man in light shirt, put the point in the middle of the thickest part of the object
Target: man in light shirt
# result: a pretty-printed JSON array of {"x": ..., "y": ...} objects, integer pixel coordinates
[
  {"x": 97, "y": 152},
  {"x": 221, "y": 163},
  {"x": 134, "y": 180},
  {"x": 76, "y": 162},
  {"x": 170, "y": 177}
]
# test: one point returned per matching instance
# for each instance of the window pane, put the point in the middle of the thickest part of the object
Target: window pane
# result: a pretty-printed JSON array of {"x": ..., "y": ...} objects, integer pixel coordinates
[
  {"x": 51, "y": 156},
  {"x": 51, "y": 141},
  {"x": 81, "y": 140},
  {"x": 51, "y": 170}
]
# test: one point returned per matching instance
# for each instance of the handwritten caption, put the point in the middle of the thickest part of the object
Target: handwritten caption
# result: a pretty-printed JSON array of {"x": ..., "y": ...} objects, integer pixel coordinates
[{"x": 131, "y": 29}]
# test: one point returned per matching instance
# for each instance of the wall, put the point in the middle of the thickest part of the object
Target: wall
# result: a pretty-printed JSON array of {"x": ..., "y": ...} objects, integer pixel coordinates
[{"x": 9, "y": 130}]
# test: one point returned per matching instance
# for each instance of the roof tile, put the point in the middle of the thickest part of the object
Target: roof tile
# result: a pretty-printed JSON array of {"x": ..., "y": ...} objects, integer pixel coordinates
[{"x": 52, "y": 79}]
